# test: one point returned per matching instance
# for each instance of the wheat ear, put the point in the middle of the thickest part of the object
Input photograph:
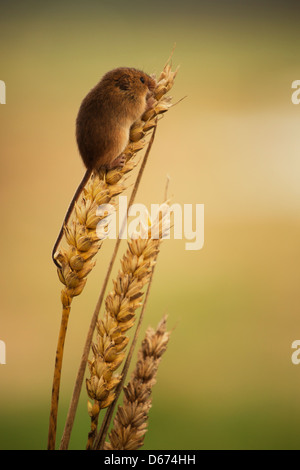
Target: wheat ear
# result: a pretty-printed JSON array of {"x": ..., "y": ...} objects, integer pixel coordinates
[
  {"x": 130, "y": 422},
  {"x": 159, "y": 230},
  {"x": 76, "y": 262},
  {"x": 119, "y": 317}
]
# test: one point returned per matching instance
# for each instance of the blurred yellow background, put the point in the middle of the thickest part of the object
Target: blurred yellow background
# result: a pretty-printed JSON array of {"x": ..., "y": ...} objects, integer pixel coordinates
[{"x": 226, "y": 380}]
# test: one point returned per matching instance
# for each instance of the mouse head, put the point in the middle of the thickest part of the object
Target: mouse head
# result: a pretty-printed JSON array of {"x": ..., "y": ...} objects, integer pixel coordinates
[{"x": 129, "y": 80}]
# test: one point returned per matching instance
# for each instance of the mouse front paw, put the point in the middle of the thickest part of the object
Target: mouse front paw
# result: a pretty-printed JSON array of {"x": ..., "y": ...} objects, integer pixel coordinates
[
  {"x": 151, "y": 102},
  {"x": 118, "y": 162}
]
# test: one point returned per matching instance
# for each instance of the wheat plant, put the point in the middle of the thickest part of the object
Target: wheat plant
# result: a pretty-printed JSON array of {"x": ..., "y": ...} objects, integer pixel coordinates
[{"x": 81, "y": 243}]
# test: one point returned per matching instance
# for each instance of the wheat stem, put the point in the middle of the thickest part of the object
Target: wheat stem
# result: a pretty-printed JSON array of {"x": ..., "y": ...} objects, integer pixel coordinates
[{"x": 56, "y": 378}]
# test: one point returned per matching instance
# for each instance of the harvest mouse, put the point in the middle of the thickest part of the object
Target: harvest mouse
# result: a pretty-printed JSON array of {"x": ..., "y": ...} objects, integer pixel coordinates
[{"x": 103, "y": 124}]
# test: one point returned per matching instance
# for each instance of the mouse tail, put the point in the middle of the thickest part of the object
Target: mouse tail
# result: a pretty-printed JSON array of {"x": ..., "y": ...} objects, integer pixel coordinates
[{"x": 68, "y": 215}]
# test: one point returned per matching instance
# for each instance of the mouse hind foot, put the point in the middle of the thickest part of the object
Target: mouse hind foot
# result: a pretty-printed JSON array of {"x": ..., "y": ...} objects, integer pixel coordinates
[{"x": 118, "y": 162}]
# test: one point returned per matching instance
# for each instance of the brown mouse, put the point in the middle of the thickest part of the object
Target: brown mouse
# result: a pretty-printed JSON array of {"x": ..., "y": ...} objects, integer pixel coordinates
[{"x": 103, "y": 124}]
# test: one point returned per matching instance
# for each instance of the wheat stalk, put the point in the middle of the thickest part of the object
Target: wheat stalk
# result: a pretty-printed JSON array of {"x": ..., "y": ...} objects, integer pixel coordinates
[{"x": 130, "y": 423}]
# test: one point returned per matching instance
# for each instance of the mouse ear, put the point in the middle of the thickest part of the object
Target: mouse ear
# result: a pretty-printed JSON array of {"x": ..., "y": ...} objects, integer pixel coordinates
[{"x": 123, "y": 82}]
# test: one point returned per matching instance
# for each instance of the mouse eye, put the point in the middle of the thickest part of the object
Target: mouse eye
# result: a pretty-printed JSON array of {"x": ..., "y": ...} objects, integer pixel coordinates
[{"x": 142, "y": 79}]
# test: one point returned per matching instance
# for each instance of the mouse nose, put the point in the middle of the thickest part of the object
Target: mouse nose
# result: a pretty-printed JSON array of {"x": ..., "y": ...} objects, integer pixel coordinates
[{"x": 152, "y": 85}]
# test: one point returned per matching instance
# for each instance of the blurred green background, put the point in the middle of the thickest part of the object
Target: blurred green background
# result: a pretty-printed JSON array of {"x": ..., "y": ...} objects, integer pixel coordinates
[{"x": 226, "y": 380}]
